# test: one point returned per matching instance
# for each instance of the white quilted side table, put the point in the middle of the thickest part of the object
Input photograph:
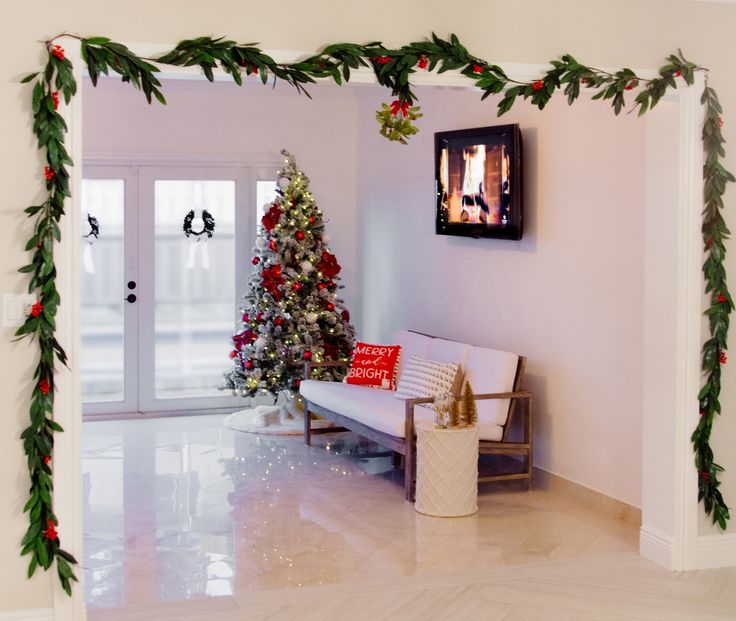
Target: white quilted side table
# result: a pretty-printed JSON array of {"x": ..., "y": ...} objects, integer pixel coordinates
[{"x": 447, "y": 470}]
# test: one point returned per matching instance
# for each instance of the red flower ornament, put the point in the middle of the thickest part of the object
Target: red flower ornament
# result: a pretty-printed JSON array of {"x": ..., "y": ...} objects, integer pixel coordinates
[
  {"x": 722, "y": 358},
  {"x": 48, "y": 173},
  {"x": 721, "y": 298},
  {"x": 423, "y": 62},
  {"x": 36, "y": 309},
  {"x": 55, "y": 98},
  {"x": 271, "y": 218},
  {"x": 328, "y": 265},
  {"x": 46, "y": 459},
  {"x": 477, "y": 69},
  {"x": 58, "y": 51},
  {"x": 538, "y": 85},
  {"x": 678, "y": 73},
  {"x": 44, "y": 386}
]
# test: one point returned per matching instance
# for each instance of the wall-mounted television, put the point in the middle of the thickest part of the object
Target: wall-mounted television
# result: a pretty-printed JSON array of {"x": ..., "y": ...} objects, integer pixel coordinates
[{"x": 478, "y": 182}]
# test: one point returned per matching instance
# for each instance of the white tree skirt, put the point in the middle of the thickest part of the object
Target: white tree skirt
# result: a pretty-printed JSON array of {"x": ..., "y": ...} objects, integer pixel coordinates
[{"x": 279, "y": 420}]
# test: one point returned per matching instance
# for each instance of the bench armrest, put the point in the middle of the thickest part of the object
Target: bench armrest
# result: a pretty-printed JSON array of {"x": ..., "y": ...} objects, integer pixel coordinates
[
  {"x": 308, "y": 366},
  {"x": 521, "y": 394}
]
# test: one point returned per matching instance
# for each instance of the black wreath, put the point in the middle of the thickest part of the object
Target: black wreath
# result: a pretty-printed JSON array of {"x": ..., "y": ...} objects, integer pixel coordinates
[
  {"x": 94, "y": 227},
  {"x": 208, "y": 228}
]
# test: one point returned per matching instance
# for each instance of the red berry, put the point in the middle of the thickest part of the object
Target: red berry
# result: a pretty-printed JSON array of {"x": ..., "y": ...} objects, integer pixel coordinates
[
  {"x": 307, "y": 355},
  {"x": 721, "y": 298},
  {"x": 249, "y": 364},
  {"x": 477, "y": 69},
  {"x": 678, "y": 73},
  {"x": 423, "y": 62},
  {"x": 538, "y": 85},
  {"x": 297, "y": 286}
]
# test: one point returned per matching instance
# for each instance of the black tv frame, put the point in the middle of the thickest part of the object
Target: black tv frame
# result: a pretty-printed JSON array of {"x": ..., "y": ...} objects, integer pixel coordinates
[{"x": 512, "y": 230}]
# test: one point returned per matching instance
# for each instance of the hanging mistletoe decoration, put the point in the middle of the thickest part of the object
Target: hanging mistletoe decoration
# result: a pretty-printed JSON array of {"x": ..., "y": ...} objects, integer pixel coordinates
[{"x": 393, "y": 69}]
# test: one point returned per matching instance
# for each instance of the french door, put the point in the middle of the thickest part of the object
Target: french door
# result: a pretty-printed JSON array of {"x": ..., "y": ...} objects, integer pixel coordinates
[{"x": 164, "y": 264}]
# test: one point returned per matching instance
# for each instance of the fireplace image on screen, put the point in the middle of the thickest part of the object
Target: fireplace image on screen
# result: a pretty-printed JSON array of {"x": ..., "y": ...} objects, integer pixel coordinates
[{"x": 478, "y": 180}]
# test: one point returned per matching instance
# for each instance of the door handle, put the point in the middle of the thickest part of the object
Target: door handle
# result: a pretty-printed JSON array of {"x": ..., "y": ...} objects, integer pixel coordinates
[{"x": 131, "y": 298}]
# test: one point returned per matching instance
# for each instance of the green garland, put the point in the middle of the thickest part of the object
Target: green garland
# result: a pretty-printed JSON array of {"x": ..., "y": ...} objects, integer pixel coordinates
[{"x": 393, "y": 69}]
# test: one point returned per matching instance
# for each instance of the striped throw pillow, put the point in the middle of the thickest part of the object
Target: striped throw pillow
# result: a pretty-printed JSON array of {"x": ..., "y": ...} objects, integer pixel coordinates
[{"x": 427, "y": 378}]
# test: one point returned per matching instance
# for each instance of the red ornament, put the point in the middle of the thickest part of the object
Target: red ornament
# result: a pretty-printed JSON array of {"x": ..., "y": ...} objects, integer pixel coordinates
[
  {"x": 330, "y": 306},
  {"x": 272, "y": 281},
  {"x": 705, "y": 476},
  {"x": 678, "y": 73},
  {"x": 48, "y": 173},
  {"x": 255, "y": 260},
  {"x": 397, "y": 106},
  {"x": 477, "y": 69},
  {"x": 246, "y": 318},
  {"x": 345, "y": 315},
  {"x": 382, "y": 60},
  {"x": 279, "y": 321},
  {"x": 44, "y": 386},
  {"x": 307, "y": 355},
  {"x": 321, "y": 286},
  {"x": 328, "y": 265},
  {"x": 233, "y": 353},
  {"x": 58, "y": 51},
  {"x": 272, "y": 245},
  {"x": 36, "y": 309},
  {"x": 722, "y": 358},
  {"x": 259, "y": 317},
  {"x": 721, "y": 298},
  {"x": 423, "y": 62},
  {"x": 312, "y": 219},
  {"x": 538, "y": 85},
  {"x": 249, "y": 364},
  {"x": 297, "y": 383},
  {"x": 299, "y": 235},
  {"x": 50, "y": 533},
  {"x": 55, "y": 97},
  {"x": 46, "y": 459},
  {"x": 297, "y": 286}
]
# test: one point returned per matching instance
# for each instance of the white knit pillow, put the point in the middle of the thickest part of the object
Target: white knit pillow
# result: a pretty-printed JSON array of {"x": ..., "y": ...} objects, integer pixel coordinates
[{"x": 426, "y": 378}]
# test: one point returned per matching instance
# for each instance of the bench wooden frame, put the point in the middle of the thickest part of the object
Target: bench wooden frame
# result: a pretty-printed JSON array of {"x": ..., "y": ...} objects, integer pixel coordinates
[{"x": 521, "y": 400}]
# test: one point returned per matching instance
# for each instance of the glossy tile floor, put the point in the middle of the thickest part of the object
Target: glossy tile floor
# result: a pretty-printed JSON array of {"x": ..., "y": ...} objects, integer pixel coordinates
[{"x": 180, "y": 509}]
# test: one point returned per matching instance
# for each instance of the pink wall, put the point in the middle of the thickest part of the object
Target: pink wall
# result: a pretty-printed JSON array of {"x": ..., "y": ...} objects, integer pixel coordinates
[{"x": 569, "y": 295}]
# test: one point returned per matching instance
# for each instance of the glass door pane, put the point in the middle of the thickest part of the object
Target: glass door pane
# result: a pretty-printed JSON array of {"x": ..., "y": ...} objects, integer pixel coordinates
[
  {"x": 194, "y": 286},
  {"x": 102, "y": 360}
]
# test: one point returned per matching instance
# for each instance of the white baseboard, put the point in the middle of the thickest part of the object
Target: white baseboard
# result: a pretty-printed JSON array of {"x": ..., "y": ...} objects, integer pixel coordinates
[
  {"x": 716, "y": 551},
  {"x": 655, "y": 546},
  {"x": 36, "y": 614}
]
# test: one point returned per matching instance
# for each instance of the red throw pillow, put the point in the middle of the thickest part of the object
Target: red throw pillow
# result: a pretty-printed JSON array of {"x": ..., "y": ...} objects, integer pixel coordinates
[{"x": 374, "y": 365}]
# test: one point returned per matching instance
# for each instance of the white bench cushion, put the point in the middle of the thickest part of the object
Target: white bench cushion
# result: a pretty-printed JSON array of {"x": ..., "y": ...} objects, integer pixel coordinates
[
  {"x": 491, "y": 370},
  {"x": 412, "y": 344},
  {"x": 375, "y": 408}
]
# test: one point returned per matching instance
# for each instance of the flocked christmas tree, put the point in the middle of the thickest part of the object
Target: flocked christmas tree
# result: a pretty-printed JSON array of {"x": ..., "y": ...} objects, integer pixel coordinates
[{"x": 292, "y": 313}]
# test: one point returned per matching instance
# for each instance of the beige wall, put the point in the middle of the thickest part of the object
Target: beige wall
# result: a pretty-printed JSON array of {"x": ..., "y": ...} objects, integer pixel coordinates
[{"x": 603, "y": 33}]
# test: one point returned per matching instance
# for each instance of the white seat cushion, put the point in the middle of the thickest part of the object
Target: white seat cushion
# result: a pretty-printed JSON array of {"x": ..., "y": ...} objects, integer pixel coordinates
[
  {"x": 412, "y": 344},
  {"x": 488, "y": 371},
  {"x": 442, "y": 350},
  {"x": 375, "y": 408}
]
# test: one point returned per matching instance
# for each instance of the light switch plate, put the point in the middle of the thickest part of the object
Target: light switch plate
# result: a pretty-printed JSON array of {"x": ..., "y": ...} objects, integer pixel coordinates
[{"x": 16, "y": 307}]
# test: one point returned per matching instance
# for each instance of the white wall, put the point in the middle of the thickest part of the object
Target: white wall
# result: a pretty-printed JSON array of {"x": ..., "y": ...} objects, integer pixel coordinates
[
  {"x": 609, "y": 33},
  {"x": 569, "y": 295},
  {"x": 250, "y": 124}
]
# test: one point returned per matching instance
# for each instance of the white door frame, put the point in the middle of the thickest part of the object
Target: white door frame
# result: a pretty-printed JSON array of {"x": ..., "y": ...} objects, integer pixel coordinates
[{"x": 673, "y": 542}]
